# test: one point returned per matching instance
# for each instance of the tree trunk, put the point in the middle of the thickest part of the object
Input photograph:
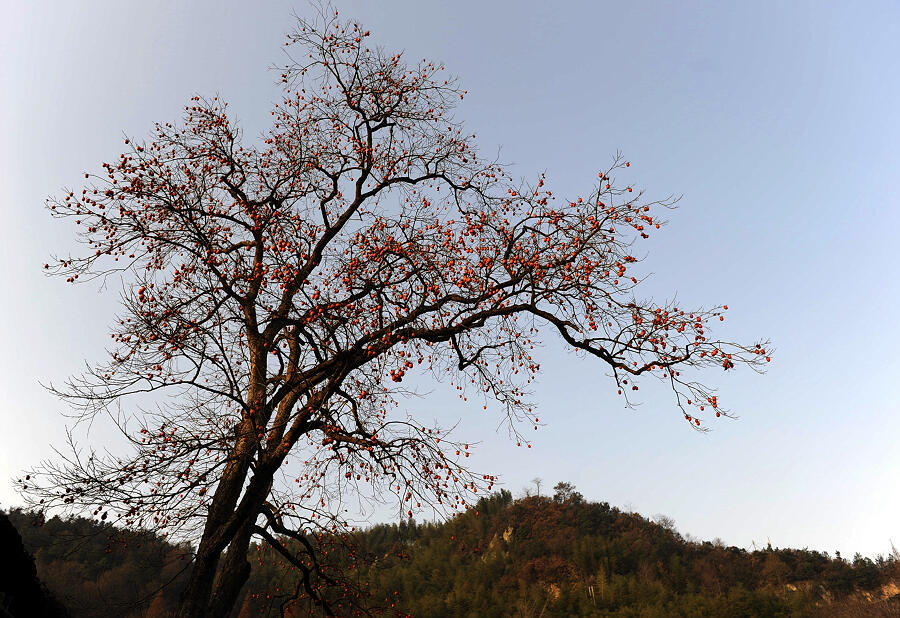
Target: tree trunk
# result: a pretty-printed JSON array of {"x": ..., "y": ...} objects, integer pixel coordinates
[
  {"x": 234, "y": 572},
  {"x": 195, "y": 600},
  {"x": 200, "y": 599}
]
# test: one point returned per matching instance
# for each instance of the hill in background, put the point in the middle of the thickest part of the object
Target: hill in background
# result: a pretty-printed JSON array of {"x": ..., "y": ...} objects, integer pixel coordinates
[{"x": 536, "y": 556}]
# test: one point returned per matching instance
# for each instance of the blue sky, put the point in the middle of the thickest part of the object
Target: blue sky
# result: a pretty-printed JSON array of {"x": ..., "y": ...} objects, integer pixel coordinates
[{"x": 776, "y": 122}]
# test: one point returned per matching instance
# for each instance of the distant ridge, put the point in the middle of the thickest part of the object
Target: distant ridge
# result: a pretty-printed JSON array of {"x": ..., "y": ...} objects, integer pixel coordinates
[{"x": 556, "y": 556}]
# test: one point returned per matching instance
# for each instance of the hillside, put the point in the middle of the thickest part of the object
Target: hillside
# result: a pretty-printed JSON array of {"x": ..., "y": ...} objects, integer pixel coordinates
[
  {"x": 536, "y": 556},
  {"x": 562, "y": 556}
]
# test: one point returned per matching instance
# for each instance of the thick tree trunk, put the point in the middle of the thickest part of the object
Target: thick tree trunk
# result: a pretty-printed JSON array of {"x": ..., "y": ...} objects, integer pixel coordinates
[
  {"x": 195, "y": 600},
  {"x": 221, "y": 530},
  {"x": 233, "y": 574},
  {"x": 200, "y": 598}
]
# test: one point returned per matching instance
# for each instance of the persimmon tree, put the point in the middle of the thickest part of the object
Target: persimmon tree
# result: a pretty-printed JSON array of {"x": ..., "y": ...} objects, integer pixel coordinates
[{"x": 276, "y": 295}]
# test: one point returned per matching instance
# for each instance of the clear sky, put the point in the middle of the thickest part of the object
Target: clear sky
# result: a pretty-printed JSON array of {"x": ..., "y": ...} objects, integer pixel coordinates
[{"x": 777, "y": 122}]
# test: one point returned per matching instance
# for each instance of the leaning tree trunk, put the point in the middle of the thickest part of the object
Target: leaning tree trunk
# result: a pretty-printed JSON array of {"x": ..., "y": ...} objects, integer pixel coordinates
[
  {"x": 233, "y": 573},
  {"x": 197, "y": 595},
  {"x": 216, "y": 581},
  {"x": 234, "y": 569}
]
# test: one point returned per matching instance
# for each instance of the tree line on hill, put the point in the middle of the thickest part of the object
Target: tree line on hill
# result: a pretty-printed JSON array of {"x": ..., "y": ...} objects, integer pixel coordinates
[{"x": 536, "y": 556}]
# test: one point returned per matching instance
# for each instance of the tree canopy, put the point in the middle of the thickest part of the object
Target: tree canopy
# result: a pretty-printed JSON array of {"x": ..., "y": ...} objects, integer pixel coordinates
[{"x": 278, "y": 293}]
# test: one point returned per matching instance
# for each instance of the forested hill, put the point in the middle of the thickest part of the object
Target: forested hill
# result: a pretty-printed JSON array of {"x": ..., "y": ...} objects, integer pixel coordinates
[
  {"x": 536, "y": 556},
  {"x": 562, "y": 556}
]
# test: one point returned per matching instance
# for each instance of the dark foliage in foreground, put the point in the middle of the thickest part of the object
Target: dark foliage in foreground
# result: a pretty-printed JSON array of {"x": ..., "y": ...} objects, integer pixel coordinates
[
  {"x": 99, "y": 571},
  {"x": 537, "y": 556},
  {"x": 21, "y": 592}
]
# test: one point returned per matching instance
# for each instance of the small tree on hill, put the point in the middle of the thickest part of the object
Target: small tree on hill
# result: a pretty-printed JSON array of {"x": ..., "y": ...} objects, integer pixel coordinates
[
  {"x": 278, "y": 294},
  {"x": 565, "y": 492}
]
